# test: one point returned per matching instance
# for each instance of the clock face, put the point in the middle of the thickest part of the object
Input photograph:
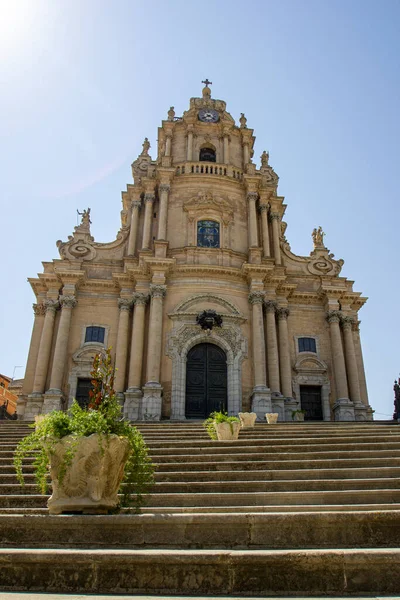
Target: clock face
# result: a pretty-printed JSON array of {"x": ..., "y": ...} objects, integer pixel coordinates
[{"x": 208, "y": 115}]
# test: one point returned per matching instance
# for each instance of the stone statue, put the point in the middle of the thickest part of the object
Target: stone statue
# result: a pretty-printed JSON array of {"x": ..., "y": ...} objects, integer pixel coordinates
[
  {"x": 146, "y": 147},
  {"x": 171, "y": 113},
  {"x": 318, "y": 237},
  {"x": 264, "y": 159},
  {"x": 85, "y": 217},
  {"x": 243, "y": 121}
]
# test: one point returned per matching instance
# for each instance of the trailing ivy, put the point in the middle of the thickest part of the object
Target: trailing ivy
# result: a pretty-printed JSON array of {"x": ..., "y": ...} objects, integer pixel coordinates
[{"x": 103, "y": 416}]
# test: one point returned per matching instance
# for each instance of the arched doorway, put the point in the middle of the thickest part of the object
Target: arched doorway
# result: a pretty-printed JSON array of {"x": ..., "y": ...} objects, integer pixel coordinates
[{"x": 206, "y": 381}]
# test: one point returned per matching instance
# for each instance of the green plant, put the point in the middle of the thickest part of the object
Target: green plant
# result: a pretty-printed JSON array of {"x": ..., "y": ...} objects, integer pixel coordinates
[
  {"x": 103, "y": 416},
  {"x": 297, "y": 412},
  {"x": 218, "y": 417}
]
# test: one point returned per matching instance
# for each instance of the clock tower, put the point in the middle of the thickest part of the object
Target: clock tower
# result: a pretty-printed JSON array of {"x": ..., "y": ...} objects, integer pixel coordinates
[{"x": 200, "y": 297}]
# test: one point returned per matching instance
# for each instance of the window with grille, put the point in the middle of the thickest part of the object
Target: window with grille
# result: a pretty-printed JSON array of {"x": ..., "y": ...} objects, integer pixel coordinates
[
  {"x": 95, "y": 334},
  {"x": 307, "y": 344},
  {"x": 208, "y": 234},
  {"x": 207, "y": 154}
]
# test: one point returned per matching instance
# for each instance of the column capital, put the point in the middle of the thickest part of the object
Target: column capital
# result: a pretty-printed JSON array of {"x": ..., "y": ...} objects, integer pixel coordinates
[
  {"x": 164, "y": 187},
  {"x": 283, "y": 313},
  {"x": 149, "y": 197},
  {"x": 274, "y": 216},
  {"x": 334, "y": 316},
  {"x": 39, "y": 309},
  {"x": 256, "y": 297},
  {"x": 140, "y": 298},
  {"x": 158, "y": 291},
  {"x": 51, "y": 305},
  {"x": 68, "y": 301},
  {"x": 136, "y": 204},
  {"x": 347, "y": 322},
  {"x": 252, "y": 196},
  {"x": 124, "y": 304},
  {"x": 264, "y": 207},
  {"x": 270, "y": 306},
  {"x": 356, "y": 325}
]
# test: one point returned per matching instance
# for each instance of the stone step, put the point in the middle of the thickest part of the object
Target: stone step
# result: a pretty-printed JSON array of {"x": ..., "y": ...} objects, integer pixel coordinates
[
  {"x": 271, "y": 508},
  {"x": 254, "y": 572},
  {"x": 282, "y": 444},
  {"x": 235, "y": 530}
]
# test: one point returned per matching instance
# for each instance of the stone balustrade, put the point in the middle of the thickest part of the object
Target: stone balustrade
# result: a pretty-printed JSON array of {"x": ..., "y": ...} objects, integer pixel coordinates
[{"x": 209, "y": 168}]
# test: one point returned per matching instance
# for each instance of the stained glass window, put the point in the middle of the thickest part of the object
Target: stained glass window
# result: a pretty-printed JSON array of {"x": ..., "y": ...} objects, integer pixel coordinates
[{"x": 208, "y": 234}]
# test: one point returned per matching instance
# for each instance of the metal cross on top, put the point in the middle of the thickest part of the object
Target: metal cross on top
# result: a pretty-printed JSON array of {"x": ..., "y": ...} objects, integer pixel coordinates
[{"x": 207, "y": 82}]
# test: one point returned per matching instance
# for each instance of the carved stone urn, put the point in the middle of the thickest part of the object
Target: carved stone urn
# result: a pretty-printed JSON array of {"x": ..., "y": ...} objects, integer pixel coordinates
[
  {"x": 91, "y": 482},
  {"x": 227, "y": 431},
  {"x": 272, "y": 418},
  {"x": 247, "y": 419}
]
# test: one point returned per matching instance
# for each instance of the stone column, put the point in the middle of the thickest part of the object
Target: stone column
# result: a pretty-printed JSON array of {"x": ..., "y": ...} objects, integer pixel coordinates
[
  {"x": 133, "y": 395},
  {"x": 60, "y": 351},
  {"x": 135, "y": 207},
  {"x": 226, "y": 148},
  {"x": 261, "y": 395},
  {"x": 350, "y": 359},
  {"x": 361, "y": 370},
  {"x": 272, "y": 347},
  {"x": 252, "y": 199},
  {"x": 163, "y": 190},
  {"x": 275, "y": 219},
  {"x": 339, "y": 366},
  {"x": 168, "y": 144},
  {"x": 148, "y": 219},
  {"x": 39, "y": 311},
  {"x": 124, "y": 305},
  {"x": 43, "y": 358},
  {"x": 152, "y": 390},
  {"x": 284, "y": 353},
  {"x": 265, "y": 230},
  {"x": 189, "y": 154}
]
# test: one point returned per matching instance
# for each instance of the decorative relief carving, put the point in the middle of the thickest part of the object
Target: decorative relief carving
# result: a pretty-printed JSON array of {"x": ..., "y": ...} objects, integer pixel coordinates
[
  {"x": 39, "y": 309},
  {"x": 124, "y": 304},
  {"x": 158, "y": 291},
  {"x": 136, "y": 205},
  {"x": 264, "y": 207},
  {"x": 356, "y": 325},
  {"x": 51, "y": 305},
  {"x": 256, "y": 297},
  {"x": 68, "y": 301},
  {"x": 209, "y": 319},
  {"x": 149, "y": 197},
  {"x": 252, "y": 196},
  {"x": 274, "y": 216},
  {"x": 164, "y": 187},
  {"x": 140, "y": 298},
  {"x": 283, "y": 313},
  {"x": 334, "y": 316},
  {"x": 347, "y": 322},
  {"x": 270, "y": 306}
]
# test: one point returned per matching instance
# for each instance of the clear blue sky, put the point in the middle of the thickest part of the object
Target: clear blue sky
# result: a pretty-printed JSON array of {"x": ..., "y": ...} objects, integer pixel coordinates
[{"x": 83, "y": 82}]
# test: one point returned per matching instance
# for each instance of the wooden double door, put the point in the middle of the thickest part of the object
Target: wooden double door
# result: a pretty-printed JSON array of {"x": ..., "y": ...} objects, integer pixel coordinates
[
  {"x": 206, "y": 381},
  {"x": 311, "y": 402}
]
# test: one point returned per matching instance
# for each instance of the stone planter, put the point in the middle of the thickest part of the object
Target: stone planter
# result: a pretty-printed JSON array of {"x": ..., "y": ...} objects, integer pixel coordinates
[
  {"x": 91, "y": 482},
  {"x": 247, "y": 419},
  {"x": 272, "y": 417},
  {"x": 298, "y": 416},
  {"x": 227, "y": 431}
]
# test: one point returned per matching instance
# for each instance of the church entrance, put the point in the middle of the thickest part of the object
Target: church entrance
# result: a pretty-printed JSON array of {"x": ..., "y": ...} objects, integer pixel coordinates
[
  {"x": 206, "y": 381},
  {"x": 311, "y": 402}
]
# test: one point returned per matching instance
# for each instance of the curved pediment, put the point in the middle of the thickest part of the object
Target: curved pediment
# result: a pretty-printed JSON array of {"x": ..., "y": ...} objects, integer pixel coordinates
[
  {"x": 307, "y": 362},
  {"x": 87, "y": 353},
  {"x": 205, "y": 301}
]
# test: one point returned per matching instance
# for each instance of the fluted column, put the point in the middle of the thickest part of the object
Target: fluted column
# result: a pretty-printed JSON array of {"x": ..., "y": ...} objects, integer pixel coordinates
[
  {"x": 339, "y": 366},
  {"x": 284, "y": 353},
  {"x": 148, "y": 218},
  {"x": 359, "y": 355},
  {"x": 265, "y": 230},
  {"x": 60, "y": 351},
  {"x": 189, "y": 154},
  {"x": 155, "y": 333},
  {"x": 226, "y": 148},
  {"x": 39, "y": 310},
  {"x": 135, "y": 207},
  {"x": 272, "y": 347},
  {"x": 256, "y": 299},
  {"x": 350, "y": 359},
  {"x": 275, "y": 220},
  {"x": 43, "y": 358},
  {"x": 124, "y": 305},
  {"x": 163, "y": 191},
  {"x": 252, "y": 199},
  {"x": 137, "y": 342}
]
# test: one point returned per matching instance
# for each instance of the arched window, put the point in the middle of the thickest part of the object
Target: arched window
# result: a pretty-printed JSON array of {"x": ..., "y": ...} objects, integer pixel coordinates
[
  {"x": 95, "y": 334},
  {"x": 207, "y": 154},
  {"x": 208, "y": 234}
]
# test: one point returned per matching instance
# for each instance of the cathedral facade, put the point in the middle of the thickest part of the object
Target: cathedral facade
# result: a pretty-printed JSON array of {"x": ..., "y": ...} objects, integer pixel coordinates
[{"x": 200, "y": 298}]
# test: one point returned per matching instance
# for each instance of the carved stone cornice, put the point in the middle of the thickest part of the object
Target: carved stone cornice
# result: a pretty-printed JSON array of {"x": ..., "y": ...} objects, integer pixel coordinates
[
  {"x": 124, "y": 304},
  {"x": 256, "y": 297},
  {"x": 68, "y": 301},
  {"x": 158, "y": 291},
  {"x": 270, "y": 306},
  {"x": 282, "y": 313},
  {"x": 334, "y": 316},
  {"x": 149, "y": 197},
  {"x": 39, "y": 309},
  {"x": 51, "y": 305},
  {"x": 140, "y": 298}
]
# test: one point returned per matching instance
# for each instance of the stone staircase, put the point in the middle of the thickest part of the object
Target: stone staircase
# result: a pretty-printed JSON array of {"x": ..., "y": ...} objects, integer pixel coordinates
[{"x": 289, "y": 509}]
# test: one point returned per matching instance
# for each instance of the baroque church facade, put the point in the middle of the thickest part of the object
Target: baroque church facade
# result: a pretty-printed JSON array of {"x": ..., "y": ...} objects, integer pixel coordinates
[{"x": 200, "y": 298}]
